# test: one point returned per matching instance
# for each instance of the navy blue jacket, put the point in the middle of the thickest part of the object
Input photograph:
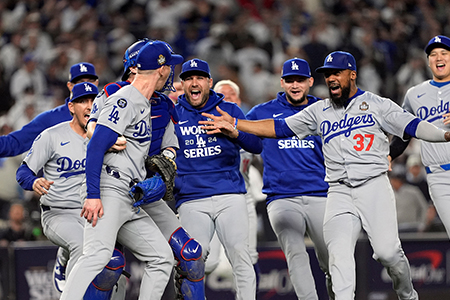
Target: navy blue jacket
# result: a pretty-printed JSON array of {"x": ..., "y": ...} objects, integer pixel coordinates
[{"x": 209, "y": 164}]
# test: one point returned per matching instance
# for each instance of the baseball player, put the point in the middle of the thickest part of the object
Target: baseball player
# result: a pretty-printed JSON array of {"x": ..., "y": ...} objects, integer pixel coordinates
[
  {"x": 209, "y": 190},
  {"x": 294, "y": 173},
  {"x": 230, "y": 91},
  {"x": 353, "y": 125},
  {"x": 61, "y": 152},
  {"x": 165, "y": 141},
  {"x": 109, "y": 175},
  {"x": 430, "y": 102},
  {"x": 20, "y": 141}
]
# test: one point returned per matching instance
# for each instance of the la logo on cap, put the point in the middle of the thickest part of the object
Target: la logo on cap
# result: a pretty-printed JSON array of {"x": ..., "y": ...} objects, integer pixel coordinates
[
  {"x": 294, "y": 66},
  {"x": 330, "y": 58},
  {"x": 83, "y": 68},
  {"x": 193, "y": 64},
  {"x": 87, "y": 88},
  {"x": 437, "y": 39}
]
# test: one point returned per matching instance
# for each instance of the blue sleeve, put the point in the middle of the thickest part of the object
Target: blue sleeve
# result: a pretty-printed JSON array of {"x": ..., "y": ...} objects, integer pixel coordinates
[
  {"x": 249, "y": 142},
  {"x": 282, "y": 130},
  {"x": 102, "y": 139},
  {"x": 19, "y": 141},
  {"x": 412, "y": 127},
  {"x": 25, "y": 177}
]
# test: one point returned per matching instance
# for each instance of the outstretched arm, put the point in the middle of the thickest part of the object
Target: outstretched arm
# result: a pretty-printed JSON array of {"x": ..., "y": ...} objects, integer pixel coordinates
[{"x": 221, "y": 124}]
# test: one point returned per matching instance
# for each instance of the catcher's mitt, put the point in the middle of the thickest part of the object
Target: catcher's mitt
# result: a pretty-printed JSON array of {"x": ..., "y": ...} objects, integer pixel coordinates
[
  {"x": 165, "y": 167},
  {"x": 148, "y": 191}
]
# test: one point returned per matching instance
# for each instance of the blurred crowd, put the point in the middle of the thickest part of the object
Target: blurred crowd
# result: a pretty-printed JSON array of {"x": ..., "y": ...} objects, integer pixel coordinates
[{"x": 242, "y": 40}]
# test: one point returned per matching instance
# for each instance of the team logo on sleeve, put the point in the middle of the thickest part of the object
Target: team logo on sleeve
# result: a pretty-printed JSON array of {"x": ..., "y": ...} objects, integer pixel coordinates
[
  {"x": 94, "y": 108},
  {"x": 122, "y": 103},
  {"x": 364, "y": 106}
]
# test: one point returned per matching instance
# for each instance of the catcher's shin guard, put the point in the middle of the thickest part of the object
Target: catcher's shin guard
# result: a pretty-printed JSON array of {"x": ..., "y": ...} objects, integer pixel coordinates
[
  {"x": 191, "y": 266},
  {"x": 101, "y": 287}
]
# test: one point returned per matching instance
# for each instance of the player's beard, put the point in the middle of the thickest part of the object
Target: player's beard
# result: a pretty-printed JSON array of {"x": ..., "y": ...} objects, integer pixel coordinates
[
  {"x": 205, "y": 98},
  {"x": 294, "y": 101},
  {"x": 340, "y": 101}
]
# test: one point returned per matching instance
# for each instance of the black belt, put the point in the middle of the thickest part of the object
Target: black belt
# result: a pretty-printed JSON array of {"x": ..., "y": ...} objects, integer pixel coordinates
[{"x": 46, "y": 207}]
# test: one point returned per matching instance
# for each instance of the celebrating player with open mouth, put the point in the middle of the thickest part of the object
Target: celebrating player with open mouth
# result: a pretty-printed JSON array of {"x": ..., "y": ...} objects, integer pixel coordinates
[{"x": 355, "y": 145}]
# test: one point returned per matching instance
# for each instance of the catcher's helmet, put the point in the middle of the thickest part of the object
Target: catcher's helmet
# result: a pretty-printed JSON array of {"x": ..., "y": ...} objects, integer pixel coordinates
[{"x": 129, "y": 58}]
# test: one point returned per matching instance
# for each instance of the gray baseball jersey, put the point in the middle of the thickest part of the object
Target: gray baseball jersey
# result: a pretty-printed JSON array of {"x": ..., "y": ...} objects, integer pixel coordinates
[
  {"x": 355, "y": 147},
  {"x": 61, "y": 152},
  {"x": 355, "y": 144},
  {"x": 117, "y": 114},
  {"x": 169, "y": 138},
  {"x": 429, "y": 101}
]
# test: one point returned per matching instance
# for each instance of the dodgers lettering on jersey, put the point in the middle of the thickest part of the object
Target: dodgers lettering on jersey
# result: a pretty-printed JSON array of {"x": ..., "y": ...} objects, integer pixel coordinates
[
  {"x": 429, "y": 101},
  {"x": 345, "y": 126},
  {"x": 292, "y": 167},
  {"x": 207, "y": 164},
  {"x": 355, "y": 144},
  {"x": 62, "y": 154}
]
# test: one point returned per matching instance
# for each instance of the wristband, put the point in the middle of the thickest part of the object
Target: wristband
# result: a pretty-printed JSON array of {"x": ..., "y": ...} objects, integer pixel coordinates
[
  {"x": 235, "y": 123},
  {"x": 169, "y": 154}
]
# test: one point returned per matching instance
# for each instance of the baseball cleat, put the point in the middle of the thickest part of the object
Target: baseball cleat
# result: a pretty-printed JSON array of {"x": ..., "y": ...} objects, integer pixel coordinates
[{"x": 59, "y": 276}]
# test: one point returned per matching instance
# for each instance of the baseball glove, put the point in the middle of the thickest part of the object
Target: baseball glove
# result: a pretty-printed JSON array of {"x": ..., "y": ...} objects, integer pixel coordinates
[
  {"x": 165, "y": 167},
  {"x": 148, "y": 191}
]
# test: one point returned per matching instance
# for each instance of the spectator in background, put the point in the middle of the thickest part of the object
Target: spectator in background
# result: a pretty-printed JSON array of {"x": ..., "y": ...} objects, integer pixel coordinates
[
  {"x": 17, "y": 229},
  {"x": 415, "y": 175},
  {"x": 29, "y": 75},
  {"x": 411, "y": 205}
]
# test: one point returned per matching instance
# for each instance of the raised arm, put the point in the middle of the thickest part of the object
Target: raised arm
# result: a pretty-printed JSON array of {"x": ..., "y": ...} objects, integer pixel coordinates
[{"x": 221, "y": 124}]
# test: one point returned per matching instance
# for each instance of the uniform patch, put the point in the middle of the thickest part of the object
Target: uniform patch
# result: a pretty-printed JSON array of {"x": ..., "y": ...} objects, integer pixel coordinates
[
  {"x": 122, "y": 103},
  {"x": 364, "y": 106},
  {"x": 161, "y": 60}
]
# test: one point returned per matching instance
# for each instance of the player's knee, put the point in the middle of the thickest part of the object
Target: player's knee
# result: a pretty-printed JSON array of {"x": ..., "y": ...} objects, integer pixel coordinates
[
  {"x": 102, "y": 285},
  {"x": 388, "y": 257},
  {"x": 188, "y": 253}
]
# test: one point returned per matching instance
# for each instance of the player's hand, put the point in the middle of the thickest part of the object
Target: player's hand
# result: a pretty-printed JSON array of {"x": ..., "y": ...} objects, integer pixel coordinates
[
  {"x": 121, "y": 144},
  {"x": 41, "y": 186},
  {"x": 92, "y": 210},
  {"x": 446, "y": 118},
  {"x": 219, "y": 124},
  {"x": 390, "y": 163}
]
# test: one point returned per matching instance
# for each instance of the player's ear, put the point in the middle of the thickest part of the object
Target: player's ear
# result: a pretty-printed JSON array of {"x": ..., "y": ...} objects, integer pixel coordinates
[
  {"x": 210, "y": 83},
  {"x": 70, "y": 85},
  {"x": 311, "y": 81},
  {"x": 71, "y": 108}
]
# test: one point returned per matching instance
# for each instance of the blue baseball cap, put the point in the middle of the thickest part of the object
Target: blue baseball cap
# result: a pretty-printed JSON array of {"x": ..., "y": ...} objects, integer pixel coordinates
[
  {"x": 156, "y": 54},
  {"x": 82, "y": 70},
  {"x": 83, "y": 89},
  {"x": 296, "y": 66},
  {"x": 195, "y": 66},
  {"x": 338, "y": 60},
  {"x": 439, "y": 41}
]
